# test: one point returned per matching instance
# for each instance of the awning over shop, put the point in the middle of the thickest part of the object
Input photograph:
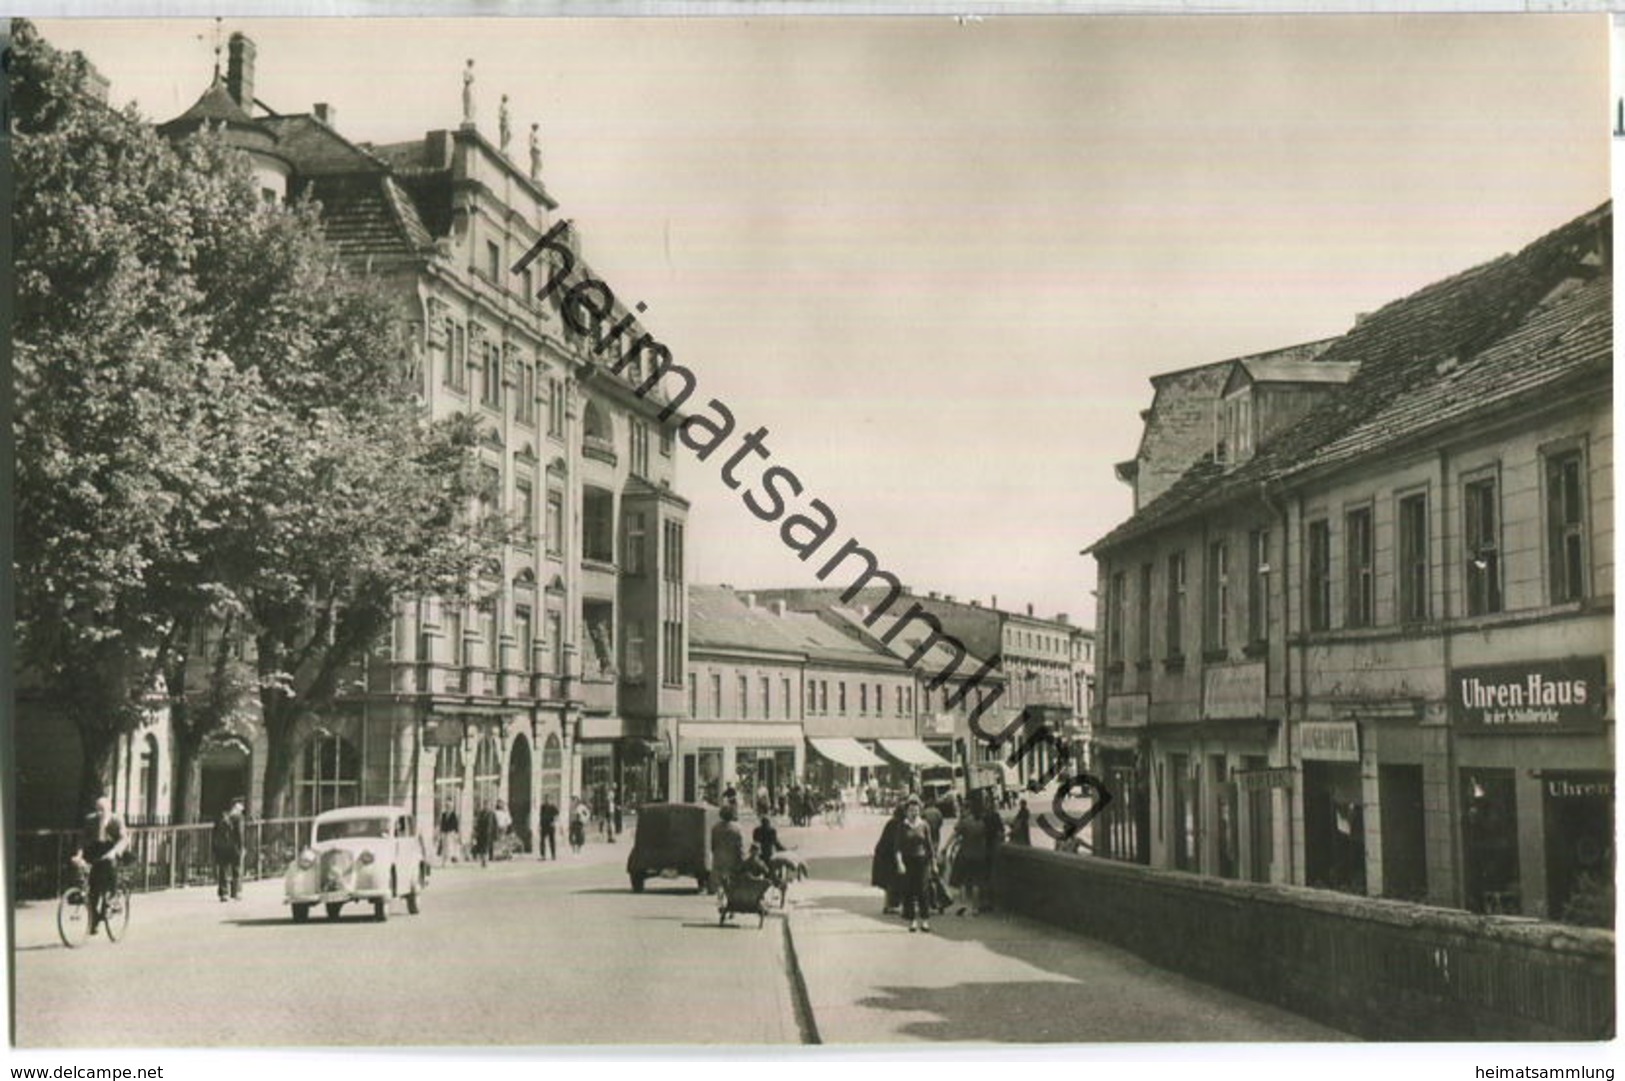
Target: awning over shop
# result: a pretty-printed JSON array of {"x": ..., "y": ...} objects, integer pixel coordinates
[
  {"x": 845, "y": 752},
  {"x": 911, "y": 752}
]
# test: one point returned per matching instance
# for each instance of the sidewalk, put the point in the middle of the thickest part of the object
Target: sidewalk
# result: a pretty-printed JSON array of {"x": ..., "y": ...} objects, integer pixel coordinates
[
  {"x": 34, "y": 922},
  {"x": 999, "y": 979}
]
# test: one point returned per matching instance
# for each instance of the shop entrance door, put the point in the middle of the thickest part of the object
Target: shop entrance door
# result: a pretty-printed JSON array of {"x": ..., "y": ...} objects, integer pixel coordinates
[
  {"x": 1333, "y": 826},
  {"x": 1404, "y": 842},
  {"x": 1489, "y": 841}
]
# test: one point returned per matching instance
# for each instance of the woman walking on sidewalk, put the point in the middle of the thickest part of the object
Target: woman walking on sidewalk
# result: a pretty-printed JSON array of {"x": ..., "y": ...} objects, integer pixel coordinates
[{"x": 916, "y": 863}]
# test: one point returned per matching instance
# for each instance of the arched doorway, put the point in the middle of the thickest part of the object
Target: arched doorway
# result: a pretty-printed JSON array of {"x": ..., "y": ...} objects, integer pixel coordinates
[
  {"x": 519, "y": 790},
  {"x": 224, "y": 773},
  {"x": 553, "y": 771},
  {"x": 329, "y": 775}
]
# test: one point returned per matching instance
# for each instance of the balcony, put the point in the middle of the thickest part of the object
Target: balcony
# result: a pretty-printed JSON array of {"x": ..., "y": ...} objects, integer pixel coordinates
[
  {"x": 599, "y": 695},
  {"x": 599, "y": 449}
]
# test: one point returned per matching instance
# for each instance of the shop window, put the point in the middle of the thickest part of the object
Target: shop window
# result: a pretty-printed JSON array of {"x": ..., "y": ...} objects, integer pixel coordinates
[
  {"x": 448, "y": 777},
  {"x": 1225, "y": 823},
  {"x": 1260, "y": 823},
  {"x": 1320, "y": 575},
  {"x": 1565, "y": 525},
  {"x": 1579, "y": 818},
  {"x": 487, "y": 773},
  {"x": 1413, "y": 558},
  {"x": 1183, "y": 808},
  {"x": 329, "y": 775},
  {"x": 1481, "y": 511},
  {"x": 1360, "y": 592},
  {"x": 1489, "y": 841}
]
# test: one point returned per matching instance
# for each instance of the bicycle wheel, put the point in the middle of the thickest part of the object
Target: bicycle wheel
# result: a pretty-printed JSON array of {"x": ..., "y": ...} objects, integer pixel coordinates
[
  {"x": 72, "y": 917},
  {"x": 116, "y": 916}
]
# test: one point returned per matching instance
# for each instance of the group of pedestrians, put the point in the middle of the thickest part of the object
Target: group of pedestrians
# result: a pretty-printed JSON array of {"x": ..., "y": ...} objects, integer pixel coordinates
[{"x": 916, "y": 846}]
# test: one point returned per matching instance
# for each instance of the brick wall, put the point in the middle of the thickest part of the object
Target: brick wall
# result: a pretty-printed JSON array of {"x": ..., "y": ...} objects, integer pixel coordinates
[{"x": 1379, "y": 969}]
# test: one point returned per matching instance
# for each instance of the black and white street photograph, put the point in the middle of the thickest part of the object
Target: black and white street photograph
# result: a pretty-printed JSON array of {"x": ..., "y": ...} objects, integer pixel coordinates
[{"x": 953, "y": 533}]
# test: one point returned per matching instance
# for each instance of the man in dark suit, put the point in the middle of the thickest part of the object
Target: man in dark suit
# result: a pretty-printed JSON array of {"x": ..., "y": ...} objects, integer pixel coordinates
[
  {"x": 547, "y": 845},
  {"x": 227, "y": 848}
]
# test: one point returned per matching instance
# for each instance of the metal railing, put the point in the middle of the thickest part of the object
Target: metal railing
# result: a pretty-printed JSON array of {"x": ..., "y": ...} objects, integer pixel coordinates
[{"x": 159, "y": 857}]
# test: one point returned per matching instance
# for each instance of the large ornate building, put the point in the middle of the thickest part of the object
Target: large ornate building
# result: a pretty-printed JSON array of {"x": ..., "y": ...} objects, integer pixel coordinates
[{"x": 568, "y": 677}]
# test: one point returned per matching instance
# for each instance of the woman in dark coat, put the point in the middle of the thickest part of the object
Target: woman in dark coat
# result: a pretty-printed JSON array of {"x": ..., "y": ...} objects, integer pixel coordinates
[{"x": 883, "y": 868}]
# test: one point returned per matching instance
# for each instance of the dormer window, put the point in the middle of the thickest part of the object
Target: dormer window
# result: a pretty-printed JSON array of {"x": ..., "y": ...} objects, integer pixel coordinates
[{"x": 1234, "y": 438}]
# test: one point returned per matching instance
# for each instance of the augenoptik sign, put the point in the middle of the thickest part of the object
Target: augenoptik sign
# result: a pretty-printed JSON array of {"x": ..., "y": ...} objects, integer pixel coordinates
[{"x": 1567, "y": 695}]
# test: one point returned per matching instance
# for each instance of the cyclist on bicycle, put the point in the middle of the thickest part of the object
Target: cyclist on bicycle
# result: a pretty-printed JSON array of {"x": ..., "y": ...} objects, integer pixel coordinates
[{"x": 102, "y": 841}]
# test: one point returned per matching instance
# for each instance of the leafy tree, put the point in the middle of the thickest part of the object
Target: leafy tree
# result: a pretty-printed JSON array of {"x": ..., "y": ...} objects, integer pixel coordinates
[{"x": 216, "y": 436}]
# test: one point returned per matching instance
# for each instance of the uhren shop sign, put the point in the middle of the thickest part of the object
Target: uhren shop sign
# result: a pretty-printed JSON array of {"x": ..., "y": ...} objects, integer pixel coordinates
[{"x": 1537, "y": 696}]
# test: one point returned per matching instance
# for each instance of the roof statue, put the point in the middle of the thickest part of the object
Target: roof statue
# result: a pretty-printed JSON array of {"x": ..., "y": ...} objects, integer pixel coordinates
[
  {"x": 468, "y": 95},
  {"x": 504, "y": 126},
  {"x": 535, "y": 151}
]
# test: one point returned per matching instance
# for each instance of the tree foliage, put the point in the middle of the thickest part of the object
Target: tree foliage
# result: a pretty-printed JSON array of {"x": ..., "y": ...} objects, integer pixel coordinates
[{"x": 214, "y": 430}]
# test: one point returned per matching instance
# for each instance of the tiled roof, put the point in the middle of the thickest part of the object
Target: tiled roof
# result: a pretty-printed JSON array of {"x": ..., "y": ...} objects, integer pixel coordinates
[
  {"x": 367, "y": 214},
  {"x": 905, "y": 643},
  {"x": 719, "y": 618},
  {"x": 1460, "y": 346},
  {"x": 317, "y": 150}
]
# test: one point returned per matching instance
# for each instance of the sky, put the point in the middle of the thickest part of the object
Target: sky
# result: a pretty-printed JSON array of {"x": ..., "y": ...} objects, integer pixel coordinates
[{"x": 940, "y": 262}]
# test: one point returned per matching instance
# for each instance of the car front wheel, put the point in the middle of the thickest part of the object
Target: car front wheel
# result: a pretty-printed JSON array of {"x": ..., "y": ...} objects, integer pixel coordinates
[{"x": 334, "y": 908}]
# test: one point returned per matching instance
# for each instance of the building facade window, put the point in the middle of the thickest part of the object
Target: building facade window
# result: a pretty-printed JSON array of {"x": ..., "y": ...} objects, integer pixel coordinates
[
  {"x": 716, "y": 694},
  {"x": 524, "y": 497},
  {"x": 632, "y": 649},
  {"x": 666, "y": 441},
  {"x": 555, "y": 642},
  {"x": 598, "y": 525},
  {"x": 1413, "y": 558},
  {"x": 1175, "y": 624},
  {"x": 639, "y": 437},
  {"x": 1114, "y": 623},
  {"x": 863, "y": 698},
  {"x": 841, "y": 702},
  {"x": 1142, "y": 626},
  {"x": 636, "y": 537},
  {"x": 784, "y": 696},
  {"x": 1481, "y": 527},
  {"x": 555, "y": 521},
  {"x": 555, "y": 407},
  {"x": 491, "y": 375},
  {"x": 1258, "y": 578},
  {"x": 522, "y": 636},
  {"x": 744, "y": 697},
  {"x": 493, "y": 261},
  {"x": 1359, "y": 588},
  {"x": 1216, "y": 598},
  {"x": 1319, "y": 560},
  {"x": 1565, "y": 525},
  {"x": 693, "y": 695}
]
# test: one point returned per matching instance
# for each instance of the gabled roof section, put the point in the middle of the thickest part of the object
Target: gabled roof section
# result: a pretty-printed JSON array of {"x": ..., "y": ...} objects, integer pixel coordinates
[
  {"x": 1269, "y": 369},
  {"x": 1470, "y": 343}
]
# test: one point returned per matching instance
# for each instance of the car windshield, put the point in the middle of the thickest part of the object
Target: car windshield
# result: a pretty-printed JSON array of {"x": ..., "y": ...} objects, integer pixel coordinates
[{"x": 352, "y": 827}]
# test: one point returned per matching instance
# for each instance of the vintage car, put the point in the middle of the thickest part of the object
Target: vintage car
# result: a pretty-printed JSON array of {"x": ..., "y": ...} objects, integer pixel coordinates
[
  {"x": 673, "y": 839},
  {"x": 358, "y": 854}
]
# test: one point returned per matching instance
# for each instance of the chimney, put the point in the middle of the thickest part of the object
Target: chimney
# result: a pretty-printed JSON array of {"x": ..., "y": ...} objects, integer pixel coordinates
[
  {"x": 994, "y": 603},
  {"x": 777, "y": 607},
  {"x": 1029, "y": 607},
  {"x": 326, "y": 114},
  {"x": 240, "y": 71},
  {"x": 949, "y": 597},
  {"x": 934, "y": 595},
  {"x": 1063, "y": 619},
  {"x": 976, "y": 602}
]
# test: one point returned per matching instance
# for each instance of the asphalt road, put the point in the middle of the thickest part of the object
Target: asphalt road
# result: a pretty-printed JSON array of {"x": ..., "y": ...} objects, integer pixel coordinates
[{"x": 512, "y": 954}]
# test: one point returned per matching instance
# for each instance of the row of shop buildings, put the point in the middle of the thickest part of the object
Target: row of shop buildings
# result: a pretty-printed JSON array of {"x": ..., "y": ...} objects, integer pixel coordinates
[{"x": 1357, "y": 633}]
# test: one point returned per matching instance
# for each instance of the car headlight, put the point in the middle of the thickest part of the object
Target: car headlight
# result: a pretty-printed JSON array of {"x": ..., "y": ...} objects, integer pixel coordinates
[
  {"x": 307, "y": 860},
  {"x": 366, "y": 856}
]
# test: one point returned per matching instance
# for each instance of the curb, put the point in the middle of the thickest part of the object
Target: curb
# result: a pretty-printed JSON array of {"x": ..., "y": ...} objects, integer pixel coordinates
[{"x": 806, "y": 1022}]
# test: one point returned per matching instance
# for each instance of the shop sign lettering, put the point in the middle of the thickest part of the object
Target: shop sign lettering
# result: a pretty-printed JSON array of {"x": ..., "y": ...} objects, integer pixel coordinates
[
  {"x": 1258, "y": 780},
  {"x": 1539, "y": 696},
  {"x": 1330, "y": 741},
  {"x": 1575, "y": 789}
]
